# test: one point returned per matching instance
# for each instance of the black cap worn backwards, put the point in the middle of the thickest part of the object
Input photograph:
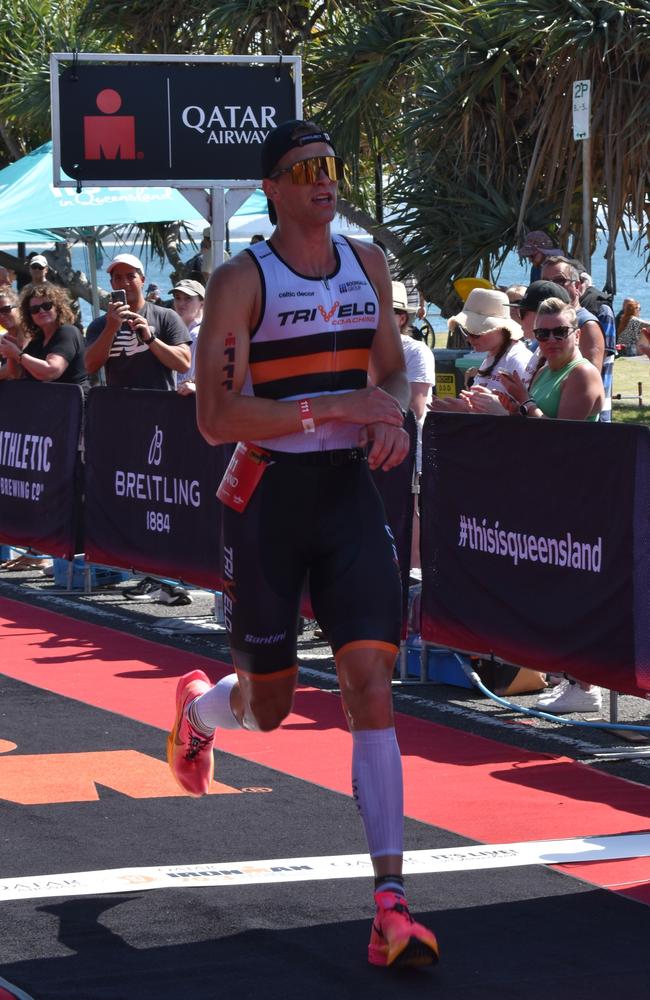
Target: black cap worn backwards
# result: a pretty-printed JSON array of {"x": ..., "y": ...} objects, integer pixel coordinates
[
  {"x": 537, "y": 291},
  {"x": 291, "y": 134}
]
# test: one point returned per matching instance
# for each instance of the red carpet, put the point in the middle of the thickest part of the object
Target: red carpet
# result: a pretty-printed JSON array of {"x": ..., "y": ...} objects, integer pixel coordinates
[{"x": 477, "y": 787}]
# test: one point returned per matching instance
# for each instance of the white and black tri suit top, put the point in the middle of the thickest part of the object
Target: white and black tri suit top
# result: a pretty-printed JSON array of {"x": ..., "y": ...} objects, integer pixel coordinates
[{"x": 313, "y": 338}]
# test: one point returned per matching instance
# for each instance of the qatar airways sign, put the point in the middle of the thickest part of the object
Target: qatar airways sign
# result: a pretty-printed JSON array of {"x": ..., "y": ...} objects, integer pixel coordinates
[{"x": 172, "y": 120}]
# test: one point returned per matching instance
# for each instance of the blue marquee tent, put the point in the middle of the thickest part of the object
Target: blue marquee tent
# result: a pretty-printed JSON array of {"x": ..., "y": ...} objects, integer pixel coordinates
[{"x": 29, "y": 201}]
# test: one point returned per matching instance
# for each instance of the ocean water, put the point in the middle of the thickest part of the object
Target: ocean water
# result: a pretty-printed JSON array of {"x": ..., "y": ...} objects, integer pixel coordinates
[{"x": 631, "y": 279}]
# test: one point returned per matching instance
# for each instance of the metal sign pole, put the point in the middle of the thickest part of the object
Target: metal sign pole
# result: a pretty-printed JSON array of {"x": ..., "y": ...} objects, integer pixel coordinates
[
  {"x": 586, "y": 204},
  {"x": 582, "y": 133},
  {"x": 91, "y": 246},
  {"x": 218, "y": 224}
]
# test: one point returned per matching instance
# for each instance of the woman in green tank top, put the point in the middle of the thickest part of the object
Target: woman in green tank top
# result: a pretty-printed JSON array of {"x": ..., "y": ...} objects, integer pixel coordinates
[{"x": 567, "y": 387}]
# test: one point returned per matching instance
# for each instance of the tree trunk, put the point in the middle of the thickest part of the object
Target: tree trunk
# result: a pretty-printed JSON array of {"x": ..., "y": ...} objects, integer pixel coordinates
[{"x": 10, "y": 142}]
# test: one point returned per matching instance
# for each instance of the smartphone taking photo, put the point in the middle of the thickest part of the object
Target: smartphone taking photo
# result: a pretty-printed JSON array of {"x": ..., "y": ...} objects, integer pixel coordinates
[{"x": 119, "y": 295}]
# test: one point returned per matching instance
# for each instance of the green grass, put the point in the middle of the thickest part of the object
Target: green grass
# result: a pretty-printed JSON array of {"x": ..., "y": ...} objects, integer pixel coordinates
[
  {"x": 628, "y": 372},
  {"x": 631, "y": 415}
]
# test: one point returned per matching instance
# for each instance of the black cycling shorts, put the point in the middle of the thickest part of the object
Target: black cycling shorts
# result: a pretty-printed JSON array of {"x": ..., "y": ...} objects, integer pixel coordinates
[{"x": 318, "y": 524}]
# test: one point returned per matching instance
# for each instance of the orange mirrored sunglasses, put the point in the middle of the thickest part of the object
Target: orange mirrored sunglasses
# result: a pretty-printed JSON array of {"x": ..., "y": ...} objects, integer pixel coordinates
[{"x": 308, "y": 171}]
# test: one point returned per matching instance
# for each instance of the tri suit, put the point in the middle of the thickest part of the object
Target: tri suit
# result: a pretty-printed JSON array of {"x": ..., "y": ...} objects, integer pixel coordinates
[{"x": 316, "y": 513}]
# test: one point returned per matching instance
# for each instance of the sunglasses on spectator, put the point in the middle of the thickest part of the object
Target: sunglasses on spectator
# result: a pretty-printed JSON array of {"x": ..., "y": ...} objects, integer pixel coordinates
[
  {"x": 562, "y": 280},
  {"x": 41, "y": 307},
  {"x": 308, "y": 171},
  {"x": 557, "y": 332},
  {"x": 6, "y": 309},
  {"x": 467, "y": 334},
  {"x": 36, "y": 267}
]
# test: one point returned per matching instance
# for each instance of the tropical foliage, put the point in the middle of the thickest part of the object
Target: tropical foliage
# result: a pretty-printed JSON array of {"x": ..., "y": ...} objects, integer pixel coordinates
[{"x": 456, "y": 112}]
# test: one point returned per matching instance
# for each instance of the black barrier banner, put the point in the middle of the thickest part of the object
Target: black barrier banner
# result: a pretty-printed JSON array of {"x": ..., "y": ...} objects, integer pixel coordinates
[
  {"x": 169, "y": 121},
  {"x": 151, "y": 481},
  {"x": 40, "y": 425},
  {"x": 535, "y": 544},
  {"x": 396, "y": 490}
]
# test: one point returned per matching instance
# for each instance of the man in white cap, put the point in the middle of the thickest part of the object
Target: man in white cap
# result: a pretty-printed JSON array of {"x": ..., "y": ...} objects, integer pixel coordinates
[
  {"x": 41, "y": 272},
  {"x": 140, "y": 344},
  {"x": 38, "y": 268}
]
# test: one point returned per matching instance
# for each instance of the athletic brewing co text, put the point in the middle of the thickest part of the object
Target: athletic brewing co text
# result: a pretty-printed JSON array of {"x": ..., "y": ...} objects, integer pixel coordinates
[{"x": 25, "y": 451}]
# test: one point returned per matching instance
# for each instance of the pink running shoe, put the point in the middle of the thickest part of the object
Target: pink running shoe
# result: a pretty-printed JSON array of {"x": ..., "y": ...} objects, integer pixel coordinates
[
  {"x": 396, "y": 939},
  {"x": 189, "y": 752}
]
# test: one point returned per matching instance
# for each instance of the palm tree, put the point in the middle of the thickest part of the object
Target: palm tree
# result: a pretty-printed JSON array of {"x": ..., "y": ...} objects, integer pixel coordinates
[
  {"x": 478, "y": 141},
  {"x": 29, "y": 33},
  {"x": 460, "y": 107},
  {"x": 498, "y": 98}
]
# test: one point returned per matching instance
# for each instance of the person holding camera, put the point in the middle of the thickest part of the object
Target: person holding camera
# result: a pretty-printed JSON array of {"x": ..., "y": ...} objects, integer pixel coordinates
[{"x": 140, "y": 345}]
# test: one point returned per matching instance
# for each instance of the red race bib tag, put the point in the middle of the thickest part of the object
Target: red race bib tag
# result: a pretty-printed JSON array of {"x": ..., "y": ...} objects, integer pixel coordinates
[{"x": 245, "y": 469}]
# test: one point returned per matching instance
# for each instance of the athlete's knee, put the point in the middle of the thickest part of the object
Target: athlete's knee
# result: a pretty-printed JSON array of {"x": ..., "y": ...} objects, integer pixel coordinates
[
  {"x": 266, "y": 700},
  {"x": 267, "y": 713},
  {"x": 366, "y": 692},
  {"x": 370, "y": 694}
]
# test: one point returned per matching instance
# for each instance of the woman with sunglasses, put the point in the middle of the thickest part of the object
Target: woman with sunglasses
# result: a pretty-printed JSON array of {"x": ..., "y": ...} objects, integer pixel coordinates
[
  {"x": 567, "y": 386},
  {"x": 54, "y": 351},
  {"x": 10, "y": 331}
]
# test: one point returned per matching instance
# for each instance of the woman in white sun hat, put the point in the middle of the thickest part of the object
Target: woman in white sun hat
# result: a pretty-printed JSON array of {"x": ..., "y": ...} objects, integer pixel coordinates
[{"x": 487, "y": 326}]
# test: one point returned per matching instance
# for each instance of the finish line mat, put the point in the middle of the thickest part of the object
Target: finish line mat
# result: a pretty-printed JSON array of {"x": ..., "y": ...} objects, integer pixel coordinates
[{"x": 230, "y": 874}]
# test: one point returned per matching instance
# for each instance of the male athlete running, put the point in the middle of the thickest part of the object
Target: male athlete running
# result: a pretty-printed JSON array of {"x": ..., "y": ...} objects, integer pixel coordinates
[{"x": 299, "y": 355}]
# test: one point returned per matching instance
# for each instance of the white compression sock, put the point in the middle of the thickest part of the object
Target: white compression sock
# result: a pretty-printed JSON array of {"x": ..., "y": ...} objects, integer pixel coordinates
[
  {"x": 378, "y": 789},
  {"x": 212, "y": 710}
]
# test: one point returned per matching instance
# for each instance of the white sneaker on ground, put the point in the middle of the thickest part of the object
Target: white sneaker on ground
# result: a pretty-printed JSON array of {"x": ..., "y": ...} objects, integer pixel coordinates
[
  {"x": 570, "y": 697},
  {"x": 547, "y": 696}
]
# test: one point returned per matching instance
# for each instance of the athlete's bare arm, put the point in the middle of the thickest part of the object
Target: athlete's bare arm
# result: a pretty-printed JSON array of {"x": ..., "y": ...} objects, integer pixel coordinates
[
  {"x": 232, "y": 308},
  {"x": 387, "y": 367},
  {"x": 390, "y": 444}
]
